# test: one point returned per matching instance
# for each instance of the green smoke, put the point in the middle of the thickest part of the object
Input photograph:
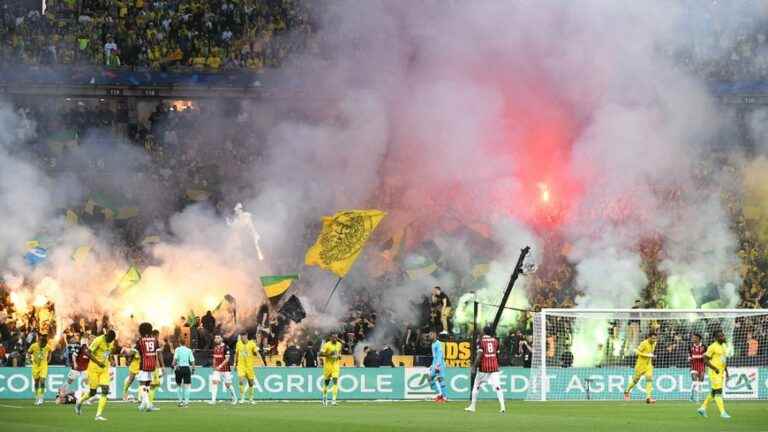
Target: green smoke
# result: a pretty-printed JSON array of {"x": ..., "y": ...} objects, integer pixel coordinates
[
  {"x": 680, "y": 293},
  {"x": 587, "y": 347},
  {"x": 463, "y": 316}
]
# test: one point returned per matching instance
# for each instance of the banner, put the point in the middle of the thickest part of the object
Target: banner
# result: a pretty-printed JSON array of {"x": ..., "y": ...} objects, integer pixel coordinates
[
  {"x": 275, "y": 286},
  {"x": 413, "y": 383},
  {"x": 458, "y": 353},
  {"x": 342, "y": 239}
]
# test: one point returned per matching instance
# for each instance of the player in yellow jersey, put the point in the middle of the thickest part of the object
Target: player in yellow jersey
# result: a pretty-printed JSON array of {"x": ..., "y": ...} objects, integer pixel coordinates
[
  {"x": 39, "y": 355},
  {"x": 100, "y": 353},
  {"x": 245, "y": 360},
  {"x": 157, "y": 375},
  {"x": 644, "y": 367},
  {"x": 133, "y": 370},
  {"x": 717, "y": 371},
  {"x": 331, "y": 355}
]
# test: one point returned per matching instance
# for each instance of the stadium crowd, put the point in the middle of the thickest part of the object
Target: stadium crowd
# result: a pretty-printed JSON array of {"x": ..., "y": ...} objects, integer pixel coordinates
[
  {"x": 176, "y": 156},
  {"x": 252, "y": 34},
  {"x": 209, "y": 34}
]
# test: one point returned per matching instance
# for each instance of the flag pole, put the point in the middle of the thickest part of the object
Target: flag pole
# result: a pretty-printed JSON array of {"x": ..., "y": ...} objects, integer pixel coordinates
[
  {"x": 327, "y": 302},
  {"x": 474, "y": 348}
]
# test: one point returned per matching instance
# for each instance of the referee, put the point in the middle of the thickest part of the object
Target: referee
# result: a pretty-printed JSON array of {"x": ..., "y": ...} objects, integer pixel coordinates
[{"x": 183, "y": 364}]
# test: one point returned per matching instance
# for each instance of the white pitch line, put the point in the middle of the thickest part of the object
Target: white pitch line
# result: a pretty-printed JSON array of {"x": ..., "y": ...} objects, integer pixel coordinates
[{"x": 11, "y": 406}]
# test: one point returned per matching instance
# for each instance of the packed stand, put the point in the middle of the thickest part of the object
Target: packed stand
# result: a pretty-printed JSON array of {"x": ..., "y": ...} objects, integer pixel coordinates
[{"x": 202, "y": 35}]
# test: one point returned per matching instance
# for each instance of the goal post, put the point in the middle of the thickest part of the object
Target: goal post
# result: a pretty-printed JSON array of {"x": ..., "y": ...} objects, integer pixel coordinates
[{"x": 590, "y": 354}]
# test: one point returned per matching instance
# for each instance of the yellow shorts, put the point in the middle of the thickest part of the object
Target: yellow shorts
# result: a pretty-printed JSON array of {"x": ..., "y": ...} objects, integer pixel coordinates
[
  {"x": 98, "y": 378},
  {"x": 716, "y": 380},
  {"x": 246, "y": 373},
  {"x": 134, "y": 368},
  {"x": 331, "y": 372},
  {"x": 155, "y": 378},
  {"x": 645, "y": 371},
  {"x": 39, "y": 372}
]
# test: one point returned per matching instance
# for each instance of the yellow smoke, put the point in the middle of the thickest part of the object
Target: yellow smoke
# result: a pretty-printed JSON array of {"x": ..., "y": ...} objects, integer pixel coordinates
[
  {"x": 755, "y": 205},
  {"x": 189, "y": 280}
]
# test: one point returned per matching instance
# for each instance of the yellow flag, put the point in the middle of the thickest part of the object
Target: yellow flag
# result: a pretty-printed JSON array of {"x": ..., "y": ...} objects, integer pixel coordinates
[
  {"x": 342, "y": 239},
  {"x": 80, "y": 254},
  {"x": 71, "y": 217}
]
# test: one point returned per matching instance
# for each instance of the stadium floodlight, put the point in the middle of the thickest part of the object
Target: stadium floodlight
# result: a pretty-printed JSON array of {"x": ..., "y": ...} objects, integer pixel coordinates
[{"x": 591, "y": 354}]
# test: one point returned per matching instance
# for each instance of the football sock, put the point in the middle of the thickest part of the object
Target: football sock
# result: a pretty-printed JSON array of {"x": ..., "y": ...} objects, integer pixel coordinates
[
  {"x": 719, "y": 403},
  {"x": 648, "y": 389},
  {"x": 631, "y": 385},
  {"x": 142, "y": 395},
  {"x": 475, "y": 392},
  {"x": 706, "y": 402},
  {"x": 102, "y": 404},
  {"x": 500, "y": 397}
]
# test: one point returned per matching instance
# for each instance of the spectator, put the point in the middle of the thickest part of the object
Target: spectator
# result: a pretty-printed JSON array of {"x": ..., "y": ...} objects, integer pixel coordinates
[
  {"x": 371, "y": 358},
  {"x": 292, "y": 356},
  {"x": 441, "y": 309},
  {"x": 752, "y": 345},
  {"x": 209, "y": 322},
  {"x": 566, "y": 359},
  {"x": 385, "y": 357},
  {"x": 309, "y": 357},
  {"x": 110, "y": 52},
  {"x": 525, "y": 347}
]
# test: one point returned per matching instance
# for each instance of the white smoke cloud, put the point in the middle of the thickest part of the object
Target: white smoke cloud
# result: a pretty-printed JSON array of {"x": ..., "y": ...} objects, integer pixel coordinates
[{"x": 438, "y": 111}]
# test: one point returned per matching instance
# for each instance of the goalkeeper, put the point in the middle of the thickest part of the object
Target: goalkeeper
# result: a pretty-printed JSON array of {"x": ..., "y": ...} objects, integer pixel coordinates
[
  {"x": 644, "y": 367},
  {"x": 437, "y": 369}
]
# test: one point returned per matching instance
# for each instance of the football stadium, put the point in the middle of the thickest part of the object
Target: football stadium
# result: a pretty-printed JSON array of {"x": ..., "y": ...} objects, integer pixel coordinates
[{"x": 383, "y": 215}]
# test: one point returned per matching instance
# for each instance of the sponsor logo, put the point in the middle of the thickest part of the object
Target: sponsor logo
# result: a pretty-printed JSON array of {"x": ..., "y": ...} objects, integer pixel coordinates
[
  {"x": 417, "y": 385},
  {"x": 742, "y": 383}
]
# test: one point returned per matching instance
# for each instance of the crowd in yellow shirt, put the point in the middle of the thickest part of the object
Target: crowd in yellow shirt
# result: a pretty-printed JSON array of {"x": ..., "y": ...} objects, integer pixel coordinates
[{"x": 238, "y": 34}]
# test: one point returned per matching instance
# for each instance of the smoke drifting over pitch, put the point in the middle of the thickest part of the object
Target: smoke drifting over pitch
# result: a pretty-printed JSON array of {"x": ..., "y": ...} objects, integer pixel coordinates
[{"x": 444, "y": 113}]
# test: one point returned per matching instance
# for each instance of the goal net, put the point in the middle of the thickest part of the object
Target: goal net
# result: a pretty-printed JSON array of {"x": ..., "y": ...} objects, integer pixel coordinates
[{"x": 583, "y": 354}]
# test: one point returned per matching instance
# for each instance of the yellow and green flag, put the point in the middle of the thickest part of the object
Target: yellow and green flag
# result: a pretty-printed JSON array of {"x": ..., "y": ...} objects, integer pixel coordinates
[
  {"x": 342, "y": 239},
  {"x": 80, "y": 254},
  {"x": 71, "y": 216},
  {"x": 419, "y": 266},
  {"x": 130, "y": 279},
  {"x": 275, "y": 286}
]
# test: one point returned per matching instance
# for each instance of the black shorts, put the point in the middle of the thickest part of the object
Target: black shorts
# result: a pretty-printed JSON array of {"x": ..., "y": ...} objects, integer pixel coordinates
[{"x": 183, "y": 375}]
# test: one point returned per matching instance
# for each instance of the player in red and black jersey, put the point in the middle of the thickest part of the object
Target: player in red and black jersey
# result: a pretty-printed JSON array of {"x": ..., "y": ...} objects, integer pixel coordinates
[
  {"x": 77, "y": 360},
  {"x": 221, "y": 369},
  {"x": 696, "y": 358},
  {"x": 488, "y": 361},
  {"x": 146, "y": 347}
]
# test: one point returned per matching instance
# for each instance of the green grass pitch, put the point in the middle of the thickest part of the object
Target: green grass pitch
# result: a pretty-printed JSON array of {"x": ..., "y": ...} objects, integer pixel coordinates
[{"x": 387, "y": 416}]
